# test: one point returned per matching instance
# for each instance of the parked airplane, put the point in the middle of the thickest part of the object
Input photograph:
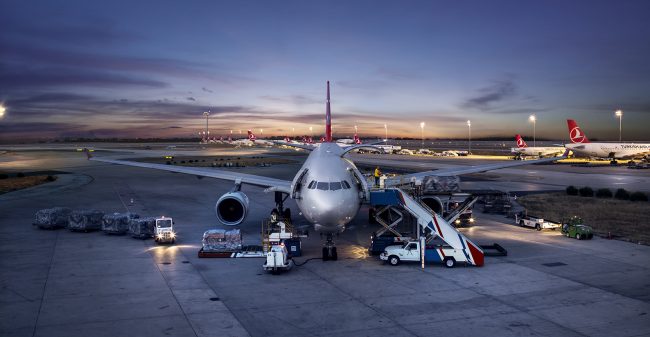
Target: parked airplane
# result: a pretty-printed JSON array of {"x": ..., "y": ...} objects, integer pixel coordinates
[
  {"x": 328, "y": 188},
  {"x": 349, "y": 141},
  {"x": 582, "y": 146},
  {"x": 541, "y": 151}
]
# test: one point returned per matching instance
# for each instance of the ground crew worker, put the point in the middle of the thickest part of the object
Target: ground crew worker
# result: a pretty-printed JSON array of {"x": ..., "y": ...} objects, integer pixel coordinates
[{"x": 377, "y": 175}]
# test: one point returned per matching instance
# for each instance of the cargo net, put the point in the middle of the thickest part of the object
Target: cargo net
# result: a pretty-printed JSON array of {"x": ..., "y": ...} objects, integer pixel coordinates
[
  {"x": 433, "y": 184},
  {"x": 117, "y": 223},
  {"x": 52, "y": 218},
  {"x": 85, "y": 220},
  {"x": 221, "y": 240},
  {"x": 142, "y": 228}
]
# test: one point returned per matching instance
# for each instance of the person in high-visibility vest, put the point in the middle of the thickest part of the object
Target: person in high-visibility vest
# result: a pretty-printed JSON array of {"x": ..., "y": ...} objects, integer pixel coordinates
[{"x": 377, "y": 175}]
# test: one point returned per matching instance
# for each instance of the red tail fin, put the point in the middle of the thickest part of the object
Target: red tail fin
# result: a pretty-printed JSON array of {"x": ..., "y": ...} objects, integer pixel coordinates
[
  {"x": 356, "y": 139},
  {"x": 328, "y": 117},
  {"x": 521, "y": 143},
  {"x": 576, "y": 135},
  {"x": 251, "y": 136}
]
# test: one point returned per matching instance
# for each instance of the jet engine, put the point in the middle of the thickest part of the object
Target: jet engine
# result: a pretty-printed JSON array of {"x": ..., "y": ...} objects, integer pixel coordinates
[
  {"x": 434, "y": 203},
  {"x": 232, "y": 208}
]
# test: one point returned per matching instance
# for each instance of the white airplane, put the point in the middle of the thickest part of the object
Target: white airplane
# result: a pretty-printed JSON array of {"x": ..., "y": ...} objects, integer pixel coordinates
[
  {"x": 251, "y": 140},
  {"x": 349, "y": 141},
  {"x": 582, "y": 146},
  {"x": 328, "y": 188},
  {"x": 540, "y": 151}
]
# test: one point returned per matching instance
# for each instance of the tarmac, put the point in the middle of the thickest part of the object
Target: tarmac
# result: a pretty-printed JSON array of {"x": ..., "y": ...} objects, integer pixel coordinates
[{"x": 60, "y": 283}]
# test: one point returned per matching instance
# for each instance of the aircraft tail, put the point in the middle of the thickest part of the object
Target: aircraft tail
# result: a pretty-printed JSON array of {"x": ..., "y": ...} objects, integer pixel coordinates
[
  {"x": 356, "y": 139},
  {"x": 521, "y": 143},
  {"x": 251, "y": 136},
  {"x": 576, "y": 135},
  {"x": 328, "y": 117}
]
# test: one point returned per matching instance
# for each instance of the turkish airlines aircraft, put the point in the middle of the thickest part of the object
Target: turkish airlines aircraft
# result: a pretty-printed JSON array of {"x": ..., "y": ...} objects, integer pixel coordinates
[
  {"x": 582, "y": 146},
  {"x": 541, "y": 151},
  {"x": 328, "y": 188}
]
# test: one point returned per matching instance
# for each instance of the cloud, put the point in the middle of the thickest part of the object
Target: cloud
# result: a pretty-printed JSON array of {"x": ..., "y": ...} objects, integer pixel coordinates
[
  {"x": 191, "y": 99},
  {"x": 174, "y": 127},
  {"x": 498, "y": 91},
  {"x": 294, "y": 99},
  {"x": 207, "y": 90}
]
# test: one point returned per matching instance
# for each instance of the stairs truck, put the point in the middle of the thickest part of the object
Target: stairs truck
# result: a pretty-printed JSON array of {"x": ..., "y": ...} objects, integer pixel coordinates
[{"x": 410, "y": 251}]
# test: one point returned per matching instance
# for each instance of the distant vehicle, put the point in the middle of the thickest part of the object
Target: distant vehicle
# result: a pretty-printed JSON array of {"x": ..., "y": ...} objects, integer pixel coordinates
[
  {"x": 575, "y": 228},
  {"x": 406, "y": 152},
  {"x": 465, "y": 219},
  {"x": 612, "y": 151},
  {"x": 410, "y": 251},
  {"x": 449, "y": 153},
  {"x": 522, "y": 149},
  {"x": 424, "y": 151},
  {"x": 164, "y": 231},
  {"x": 390, "y": 148},
  {"x": 535, "y": 222}
]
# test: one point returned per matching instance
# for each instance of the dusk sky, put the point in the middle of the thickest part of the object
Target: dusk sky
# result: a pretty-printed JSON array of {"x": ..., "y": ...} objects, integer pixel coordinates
[{"x": 150, "y": 68}]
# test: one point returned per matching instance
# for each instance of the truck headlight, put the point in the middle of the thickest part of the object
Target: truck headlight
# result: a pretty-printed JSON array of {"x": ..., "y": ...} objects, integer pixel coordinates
[
  {"x": 457, "y": 221},
  {"x": 173, "y": 235},
  {"x": 471, "y": 220}
]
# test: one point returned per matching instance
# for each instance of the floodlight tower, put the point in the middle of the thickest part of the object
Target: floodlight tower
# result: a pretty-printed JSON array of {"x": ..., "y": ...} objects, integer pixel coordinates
[{"x": 619, "y": 115}]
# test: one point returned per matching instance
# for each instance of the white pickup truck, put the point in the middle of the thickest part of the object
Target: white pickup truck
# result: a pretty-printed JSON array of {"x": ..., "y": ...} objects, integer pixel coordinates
[
  {"x": 535, "y": 222},
  {"x": 410, "y": 251}
]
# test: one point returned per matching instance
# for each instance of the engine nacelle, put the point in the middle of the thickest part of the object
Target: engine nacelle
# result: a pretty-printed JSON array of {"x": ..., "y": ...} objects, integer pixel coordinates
[
  {"x": 434, "y": 203},
  {"x": 232, "y": 208}
]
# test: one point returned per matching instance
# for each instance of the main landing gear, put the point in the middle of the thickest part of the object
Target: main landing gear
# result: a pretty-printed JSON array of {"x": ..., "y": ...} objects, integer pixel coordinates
[
  {"x": 329, "y": 249},
  {"x": 279, "y": 212}
]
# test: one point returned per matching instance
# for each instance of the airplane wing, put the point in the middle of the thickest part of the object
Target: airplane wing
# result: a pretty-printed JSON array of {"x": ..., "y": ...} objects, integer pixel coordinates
[
  {"x": 277, "y": 184},
  {"x": 456, "y": 171}
]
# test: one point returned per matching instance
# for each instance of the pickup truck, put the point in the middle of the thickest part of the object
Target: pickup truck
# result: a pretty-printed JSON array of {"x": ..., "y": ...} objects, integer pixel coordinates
[
  {"x": 535, "y": 222},
  {"x": 410, "y": 251}
]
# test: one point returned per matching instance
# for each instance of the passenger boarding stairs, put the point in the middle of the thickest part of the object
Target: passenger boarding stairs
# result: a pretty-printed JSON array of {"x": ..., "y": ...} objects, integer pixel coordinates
[{"x": 429, "y": 222}]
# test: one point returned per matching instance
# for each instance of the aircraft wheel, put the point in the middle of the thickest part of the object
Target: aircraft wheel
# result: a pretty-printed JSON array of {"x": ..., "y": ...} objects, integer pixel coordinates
[{"x": 275, "y": 215}]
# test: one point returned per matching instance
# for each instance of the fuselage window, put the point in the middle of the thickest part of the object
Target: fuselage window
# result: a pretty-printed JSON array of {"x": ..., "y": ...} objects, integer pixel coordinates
[
  {"x": 334, "y": 186},
  {"x": 312, "y": 185},
  {"x": 323, "y": 186},
  {"x": 346, "y": 185}
]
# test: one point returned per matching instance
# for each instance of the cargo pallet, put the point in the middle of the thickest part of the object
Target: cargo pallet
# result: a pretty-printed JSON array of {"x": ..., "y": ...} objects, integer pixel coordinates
[{"x": 246, "y": 251}]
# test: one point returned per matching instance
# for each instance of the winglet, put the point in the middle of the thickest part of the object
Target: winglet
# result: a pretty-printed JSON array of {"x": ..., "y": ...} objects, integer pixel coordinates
[{"x": 328, "y": 117}]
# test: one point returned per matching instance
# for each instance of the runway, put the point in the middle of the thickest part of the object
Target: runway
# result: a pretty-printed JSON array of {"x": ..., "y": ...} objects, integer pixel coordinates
[{"x": 59, "y": 283}]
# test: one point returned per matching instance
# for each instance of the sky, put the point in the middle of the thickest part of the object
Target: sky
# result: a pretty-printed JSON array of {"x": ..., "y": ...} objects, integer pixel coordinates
[{"x": 151, "y": 68}]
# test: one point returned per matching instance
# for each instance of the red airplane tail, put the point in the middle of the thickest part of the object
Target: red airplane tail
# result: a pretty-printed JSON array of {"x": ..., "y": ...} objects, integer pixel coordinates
[
  {"x": 576, "y": 135},
  {"x": 287, "y": 139},
  {"x": 356, "y": 139},
  {"x": 521, "y": 143},
  {"x": 251, "y": 136}
]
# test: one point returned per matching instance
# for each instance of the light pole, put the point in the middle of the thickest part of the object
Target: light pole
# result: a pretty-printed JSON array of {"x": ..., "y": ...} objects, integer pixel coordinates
[
  {"x": 261, "y": 132},
  {"x": 311, "y": 131},
  {"x": 533, "y": 119},
  {"x": 619, "y": 114},
  {"x": 2, "y": 111},
  {"x": 356, "y": 129},
  {"x": 386, "y": 132},
  {"x": 207, "y": 127},
  {"x": 422, "y": 134},
  {"x": 469, "y": 128}
]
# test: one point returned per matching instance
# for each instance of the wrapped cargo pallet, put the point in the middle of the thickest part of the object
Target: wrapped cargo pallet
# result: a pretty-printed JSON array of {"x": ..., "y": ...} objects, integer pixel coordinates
[
  {"x": 52, "y": 218},
  {"x": 142, "y": 228},
  {"x": 116, "y": 223},
  {"x": 220, "y": 240},
  {"x": 85, "y": 220}
]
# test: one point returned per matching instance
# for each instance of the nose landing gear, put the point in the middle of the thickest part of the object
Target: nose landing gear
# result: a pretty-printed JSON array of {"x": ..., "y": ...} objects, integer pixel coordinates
[{"x": 329, "y": 249}]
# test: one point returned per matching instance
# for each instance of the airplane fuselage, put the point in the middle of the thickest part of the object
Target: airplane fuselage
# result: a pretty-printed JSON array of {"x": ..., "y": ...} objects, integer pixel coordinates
[
  {"x": 329, "y": 193},
  {"x": 537, "y": 151},
  {"x": 610, "y": 150}
]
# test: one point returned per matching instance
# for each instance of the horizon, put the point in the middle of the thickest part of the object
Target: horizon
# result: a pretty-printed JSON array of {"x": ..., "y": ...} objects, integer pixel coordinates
[{"x": 118, "y": 70}]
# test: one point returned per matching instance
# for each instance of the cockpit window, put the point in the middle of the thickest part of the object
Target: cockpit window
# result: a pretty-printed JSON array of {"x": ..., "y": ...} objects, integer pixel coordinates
[
  {"x": 335, "y": 186},
  {"x": 312, "y": 185},
  {"x": 346, "y": 185},
  {"x": 323, "y": 186}
]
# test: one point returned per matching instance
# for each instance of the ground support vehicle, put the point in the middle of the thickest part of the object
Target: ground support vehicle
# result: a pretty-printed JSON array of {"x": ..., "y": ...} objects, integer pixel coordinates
[
  {"x": 575, "y": 228},
  {"x": 535, "y": 222},
  {"x": 278, "y": 259},
  {"x": 164, "y": 230}
]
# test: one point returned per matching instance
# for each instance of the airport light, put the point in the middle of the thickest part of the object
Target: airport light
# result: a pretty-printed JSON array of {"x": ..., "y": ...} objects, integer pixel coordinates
[
  {"x": 533, "y": 119},
  {"x": 422, "y": 133},
  {"x": 619, "y": 114},
  {"x": 261, "y": 132},
  {"x": 311, "y": 131},
  {"x": 469, "y": 128},
  {"x": 386, "y": 132},
  {"x": 207, "y": 118},
  {"x": 2, "y": 111}
]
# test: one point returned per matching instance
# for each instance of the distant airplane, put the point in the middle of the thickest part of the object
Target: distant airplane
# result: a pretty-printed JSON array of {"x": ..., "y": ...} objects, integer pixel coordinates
[
  {"x": 541, "y": 151},
  {"x": 612, "y": 151},
  {"x": 328, "y": 189}
]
